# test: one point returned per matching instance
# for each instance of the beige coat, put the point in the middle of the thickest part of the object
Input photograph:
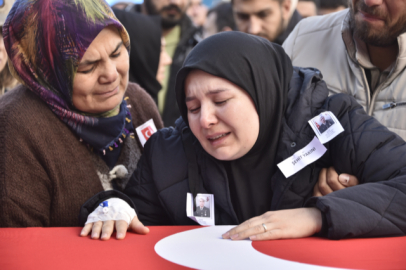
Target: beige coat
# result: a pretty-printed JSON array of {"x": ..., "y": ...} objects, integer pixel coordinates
[{"x": 326, "y": 43}]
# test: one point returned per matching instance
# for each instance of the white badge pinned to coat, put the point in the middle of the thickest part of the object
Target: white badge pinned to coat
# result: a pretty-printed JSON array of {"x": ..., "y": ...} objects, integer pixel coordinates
[
  {"x": 326, "y": 126},
  {"x": 204, "y": 213}
]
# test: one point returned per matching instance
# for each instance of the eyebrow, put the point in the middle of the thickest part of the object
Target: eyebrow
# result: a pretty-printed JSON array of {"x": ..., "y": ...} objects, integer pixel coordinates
[
  {"x": 91, "y": 62},
  {"x": 254, "y": 13},
  {"x": 211, "y": 92}
]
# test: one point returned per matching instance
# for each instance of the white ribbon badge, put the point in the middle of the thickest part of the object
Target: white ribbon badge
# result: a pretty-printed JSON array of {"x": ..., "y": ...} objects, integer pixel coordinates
[
  {"x": 204, "y": 213},
  {"x": 305, "y": 156}
]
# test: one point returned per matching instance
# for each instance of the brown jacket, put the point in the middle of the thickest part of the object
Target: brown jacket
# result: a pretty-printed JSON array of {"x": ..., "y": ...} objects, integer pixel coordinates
[{"x": 46, "y": 173}]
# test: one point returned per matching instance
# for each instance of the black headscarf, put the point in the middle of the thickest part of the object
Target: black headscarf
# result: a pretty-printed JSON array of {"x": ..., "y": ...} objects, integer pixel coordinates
[
  {"x": 145, "y": 38},
  {"x": 263, "y": 70}
]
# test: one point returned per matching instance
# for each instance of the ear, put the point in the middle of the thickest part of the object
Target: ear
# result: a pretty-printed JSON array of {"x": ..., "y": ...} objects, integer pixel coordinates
[
  {"x": 286, "y": 6},
  {"x": 226, "y": 29}
]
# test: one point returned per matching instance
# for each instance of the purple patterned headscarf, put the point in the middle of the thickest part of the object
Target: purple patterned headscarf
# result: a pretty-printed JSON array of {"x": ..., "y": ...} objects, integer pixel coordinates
[{"x": 45, "y": 41}]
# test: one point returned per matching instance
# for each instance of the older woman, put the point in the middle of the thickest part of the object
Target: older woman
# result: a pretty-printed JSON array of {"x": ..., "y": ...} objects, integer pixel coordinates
[
  {"x": 68, "y": 132},
  {"x": 245, "y": 111}
]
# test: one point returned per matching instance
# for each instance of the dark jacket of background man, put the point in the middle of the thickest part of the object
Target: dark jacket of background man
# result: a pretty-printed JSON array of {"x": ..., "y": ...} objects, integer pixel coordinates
[{"x": 188, "y": 39}]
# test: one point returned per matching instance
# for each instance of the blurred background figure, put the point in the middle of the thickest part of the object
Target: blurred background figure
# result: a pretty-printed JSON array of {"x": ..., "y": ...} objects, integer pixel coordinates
[
  {"x": 164, "y": 61},
  {"x": 330, "y": 6},
  {"x": 148, "y": 58},
  {"x": 7, "y": 81},
  {"x": 308, "y": 8},
  {"x": 219, "y": 18},
  {"x": 181, "y": 36},
  {"x": 197, "y": 11},
  {"x": 270, "y": 19},
  {"x": 123, "y": 5}
]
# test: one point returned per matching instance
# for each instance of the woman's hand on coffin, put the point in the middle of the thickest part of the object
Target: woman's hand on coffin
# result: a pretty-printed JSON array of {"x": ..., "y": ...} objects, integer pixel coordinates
[
  {"x": 104, "y": 229},
  {"x": 282, "y": 224},
  {"x": 112, "y": 214}
]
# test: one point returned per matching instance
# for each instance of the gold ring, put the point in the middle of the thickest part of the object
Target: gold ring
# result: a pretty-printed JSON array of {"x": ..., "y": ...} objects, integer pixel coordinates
[{"x": 265, "y": 228}]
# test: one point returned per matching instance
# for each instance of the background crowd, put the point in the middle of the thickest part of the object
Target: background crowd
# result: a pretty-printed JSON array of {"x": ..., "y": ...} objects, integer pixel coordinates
[{"x": 177, "y": 26}]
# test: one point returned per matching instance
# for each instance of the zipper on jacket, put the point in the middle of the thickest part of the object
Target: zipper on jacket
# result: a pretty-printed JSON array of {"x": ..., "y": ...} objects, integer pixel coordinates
[
  {"x": 392, "y": 105},
  {"x": 367, "y": 90}
]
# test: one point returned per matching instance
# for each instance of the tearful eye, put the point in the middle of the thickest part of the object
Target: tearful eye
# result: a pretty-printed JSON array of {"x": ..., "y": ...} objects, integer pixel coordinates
[
  {"x": 194, "y": 110},
  {"x": 221, "y": 102},
  {"x": 86, "y": 71}
]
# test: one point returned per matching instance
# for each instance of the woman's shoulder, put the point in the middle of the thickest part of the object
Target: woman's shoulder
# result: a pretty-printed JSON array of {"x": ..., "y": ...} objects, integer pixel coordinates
[
  {"x": 165, "y": 154},
  {"x": 142, "y": 105},
  {"x": 306, "y": 95},
  {"x": 168, "y": 136},
  {"x": 20, "y": 103},
  {"x": 167, "y": 141}
]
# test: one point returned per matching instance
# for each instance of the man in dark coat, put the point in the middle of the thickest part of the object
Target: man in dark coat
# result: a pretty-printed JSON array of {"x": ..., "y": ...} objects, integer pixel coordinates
[
  {"x": 201, "y": 210},
  {"x": 181, "y": 36}
]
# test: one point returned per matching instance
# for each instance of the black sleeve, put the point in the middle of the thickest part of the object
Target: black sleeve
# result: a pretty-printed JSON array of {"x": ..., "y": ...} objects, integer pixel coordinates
[
  {"x": 91, "y": 204},
  {"x": 368, "y": 150},
  {"x": 142, "y": 191}
]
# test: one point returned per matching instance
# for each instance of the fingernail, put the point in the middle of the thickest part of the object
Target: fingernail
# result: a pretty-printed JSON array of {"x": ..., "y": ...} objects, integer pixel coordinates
[
  {"x": 94, "y": 235},
  {"x": 235, "y": 236},
  {"x": 254, "y": 237},
  {"x": 120, "y": 235},
  {"x": 226, "y": 235},
  {"x": 346, "y": 179},
  {"x": 104, "y": 235}
]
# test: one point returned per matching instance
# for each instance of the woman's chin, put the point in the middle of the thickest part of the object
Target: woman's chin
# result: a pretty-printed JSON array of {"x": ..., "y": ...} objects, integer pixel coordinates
[
  {"x": 224, "y": 155},
  {"x": 98, "y": 108}
]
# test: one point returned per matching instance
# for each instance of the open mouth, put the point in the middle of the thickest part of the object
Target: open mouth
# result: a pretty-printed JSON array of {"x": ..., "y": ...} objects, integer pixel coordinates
[{"x": 212, "y": 139}]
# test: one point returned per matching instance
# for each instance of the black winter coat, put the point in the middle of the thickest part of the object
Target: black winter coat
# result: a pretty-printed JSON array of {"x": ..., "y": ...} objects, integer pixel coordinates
[{"x": 366, "y": 149}]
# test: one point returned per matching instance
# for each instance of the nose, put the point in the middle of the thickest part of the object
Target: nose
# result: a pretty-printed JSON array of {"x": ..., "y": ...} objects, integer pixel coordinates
[
  {"x": 254, "y": 26},
  {"x": 208, "y": 116},
  {"x": 109, "y": 73},
  {"x": 372, "y": 3}
]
